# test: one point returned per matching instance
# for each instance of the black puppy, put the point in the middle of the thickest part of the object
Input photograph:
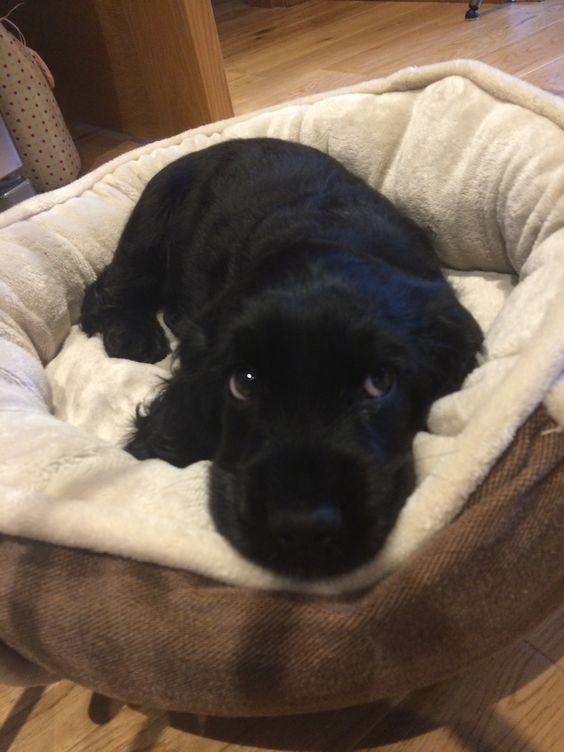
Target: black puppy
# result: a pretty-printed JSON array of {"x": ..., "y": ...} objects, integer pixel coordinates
[{"x": 315, "y": 330}]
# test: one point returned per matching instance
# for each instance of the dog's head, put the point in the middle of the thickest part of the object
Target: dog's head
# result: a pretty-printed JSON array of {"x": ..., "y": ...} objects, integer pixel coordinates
[{"x": 317, "y": 385}]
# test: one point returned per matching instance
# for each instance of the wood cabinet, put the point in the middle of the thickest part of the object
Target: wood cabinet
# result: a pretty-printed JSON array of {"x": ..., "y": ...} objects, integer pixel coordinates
[{"x": 149, "y": 68}]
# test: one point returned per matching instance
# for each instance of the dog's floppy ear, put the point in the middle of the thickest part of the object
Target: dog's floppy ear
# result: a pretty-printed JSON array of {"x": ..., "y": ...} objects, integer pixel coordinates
[
  {"x": 448, "y": 341},
  {"x": 183, "y": 424}
]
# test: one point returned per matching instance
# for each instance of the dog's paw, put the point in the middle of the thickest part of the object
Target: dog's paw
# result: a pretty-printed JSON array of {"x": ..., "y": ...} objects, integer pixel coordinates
[{"x": 135, "y": 337}]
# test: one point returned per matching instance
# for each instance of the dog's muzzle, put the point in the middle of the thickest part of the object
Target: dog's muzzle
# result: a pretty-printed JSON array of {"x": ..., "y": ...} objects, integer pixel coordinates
[{"x": 306, "y": 514}]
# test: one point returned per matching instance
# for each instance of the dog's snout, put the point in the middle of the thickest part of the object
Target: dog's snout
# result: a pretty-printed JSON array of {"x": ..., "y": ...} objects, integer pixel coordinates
[
  {"x": 298, "y": 528},
  {"x": 306, "y": 512},
  {"x": 302, "y": 510}
]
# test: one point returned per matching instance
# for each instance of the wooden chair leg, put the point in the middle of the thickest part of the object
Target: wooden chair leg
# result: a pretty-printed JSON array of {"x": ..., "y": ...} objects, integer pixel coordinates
[{"x": 473, "y": 9}]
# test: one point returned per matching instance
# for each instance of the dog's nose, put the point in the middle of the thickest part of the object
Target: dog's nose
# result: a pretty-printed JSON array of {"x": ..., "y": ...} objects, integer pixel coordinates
[{"x": 313, "y": 526}]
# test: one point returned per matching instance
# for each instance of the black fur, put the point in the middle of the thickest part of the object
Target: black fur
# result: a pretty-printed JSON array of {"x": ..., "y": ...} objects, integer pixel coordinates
[{"x": 271, "y": 259}]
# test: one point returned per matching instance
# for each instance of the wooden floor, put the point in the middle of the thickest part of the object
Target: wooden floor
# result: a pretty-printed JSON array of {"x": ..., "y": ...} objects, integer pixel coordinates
[
  {"x": 514, "y": 703},
  {"x": 272, "y": 55}
]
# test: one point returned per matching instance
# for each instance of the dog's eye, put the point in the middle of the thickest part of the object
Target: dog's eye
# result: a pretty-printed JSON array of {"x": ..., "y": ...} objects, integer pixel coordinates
[
  {"x": 379, "y": 383},
  {"x": 243, "y": 384}
]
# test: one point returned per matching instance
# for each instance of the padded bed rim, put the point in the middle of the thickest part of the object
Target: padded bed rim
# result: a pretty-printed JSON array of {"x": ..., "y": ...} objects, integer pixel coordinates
[
  {"x": 164, "y": 649},
  {"x": 502, "y": 86}
]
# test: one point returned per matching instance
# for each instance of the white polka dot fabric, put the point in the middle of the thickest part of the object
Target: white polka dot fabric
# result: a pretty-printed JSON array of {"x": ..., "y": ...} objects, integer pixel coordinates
[{"x": 31, "y": 113}]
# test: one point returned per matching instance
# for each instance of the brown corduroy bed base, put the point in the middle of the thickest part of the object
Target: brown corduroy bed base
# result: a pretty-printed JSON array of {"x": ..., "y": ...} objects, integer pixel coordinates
[{"x": 160, "y": 637}]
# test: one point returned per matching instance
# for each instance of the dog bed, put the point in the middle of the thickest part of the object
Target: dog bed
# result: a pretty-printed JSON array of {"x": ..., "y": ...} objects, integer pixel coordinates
[{"x": 111, "y": 573}]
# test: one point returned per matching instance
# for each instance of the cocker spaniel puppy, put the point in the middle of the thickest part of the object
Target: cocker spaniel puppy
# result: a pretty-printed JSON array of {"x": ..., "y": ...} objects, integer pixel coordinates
[{"x": 315, "y": 330}]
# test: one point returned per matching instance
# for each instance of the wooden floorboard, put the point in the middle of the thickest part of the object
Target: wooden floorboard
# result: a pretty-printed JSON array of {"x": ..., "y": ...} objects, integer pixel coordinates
[
  {"x": 549, "y": 76},
  {"x": 512, "y": 703},
  {"x": 275, "y": 55},
  {"x": 98, "y": 145}
]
